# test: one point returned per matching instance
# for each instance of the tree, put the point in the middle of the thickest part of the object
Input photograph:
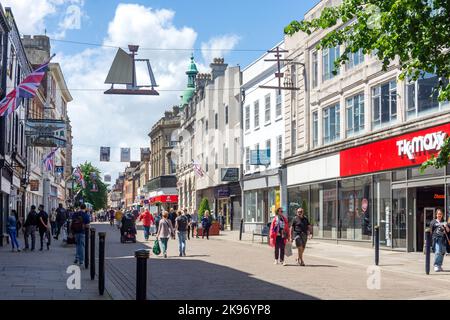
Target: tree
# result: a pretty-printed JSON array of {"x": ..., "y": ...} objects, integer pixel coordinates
[
  {"x": 416, "y": 32},
  {"x": 99, "y": 198},
  {"x": 204, "y": 205}
]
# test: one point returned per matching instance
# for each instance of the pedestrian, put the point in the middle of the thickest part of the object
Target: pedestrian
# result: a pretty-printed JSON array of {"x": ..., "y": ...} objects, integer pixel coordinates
[
  {"x": 181, "y": 223},
  {"x": 194, "y": 223},
  {"x": 147, "y": 220},
  {"x": 111, "y": 217},
  {"x": 61, "y": 217},
  {"x": 172, "y": 216},
  {"x": 31, "y": 223},
  {"x": 118, "y": 216},
  {"x": 53, "y": 221},
  {"x": 301, "y": 231},
  {"x": 279, "y": 235},
  {"x": 439, "y": 228},
  {"x": 206, "y": 224},
  {"x": 165, "y": 231},
  {"x": 80, "y": 221},
  {"x": 12, "y": 230},
  {"x": 189, "y": 219},
  {"x": 43, "y": 227}
]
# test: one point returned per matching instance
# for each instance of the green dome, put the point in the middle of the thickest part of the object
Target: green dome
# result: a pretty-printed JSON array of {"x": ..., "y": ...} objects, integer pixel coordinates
[
  {"x": 190, "y": 90},
  {"x": 187, "y": 96}
]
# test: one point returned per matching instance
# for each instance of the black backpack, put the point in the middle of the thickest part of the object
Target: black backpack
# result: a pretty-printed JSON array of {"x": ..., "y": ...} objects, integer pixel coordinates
[
  {"x": 182, "y": 223},
  {"x": 77, "y": 223}
]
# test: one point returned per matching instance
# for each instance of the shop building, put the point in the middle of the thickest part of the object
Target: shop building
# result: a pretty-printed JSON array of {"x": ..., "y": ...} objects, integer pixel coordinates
[{"x": 263, "y": 140}]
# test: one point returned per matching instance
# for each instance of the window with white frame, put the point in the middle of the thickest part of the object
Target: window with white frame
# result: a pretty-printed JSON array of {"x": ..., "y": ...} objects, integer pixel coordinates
[
  {"x": 329, "y": 56},
  {"x": 256, "y": 110},
  {"x": 279, "y": 148},
  {"x": 384, "y": 103},
  {"x": 331, "y": 124},
  {"x": 267, "y": 108},
  {"x": 355, "y": 114},
  {"x": 278, "y": 110},
  {"x": 315, "y": 130},
  {"x": 422, "y": 96},
  {"x": 247, "y": 118},
  {"x": 354, "y": 59},
  {"x": 247, "y": 159},
  {"x": 268, "y": 147},
  {"x": 315, "y": 69}
]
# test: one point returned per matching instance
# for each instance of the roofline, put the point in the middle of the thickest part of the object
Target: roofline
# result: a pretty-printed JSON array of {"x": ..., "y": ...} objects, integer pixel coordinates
[
  {"x": 262, "y": 56},
  {"x": 64, "y": 90}
]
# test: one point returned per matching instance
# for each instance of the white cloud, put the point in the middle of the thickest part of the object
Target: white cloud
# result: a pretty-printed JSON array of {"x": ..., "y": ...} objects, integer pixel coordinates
[{"x": 218, "y": 46}]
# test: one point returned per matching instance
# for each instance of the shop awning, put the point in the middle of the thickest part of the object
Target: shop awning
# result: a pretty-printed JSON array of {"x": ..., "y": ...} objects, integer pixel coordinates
[{"x": 164, "y": 199}]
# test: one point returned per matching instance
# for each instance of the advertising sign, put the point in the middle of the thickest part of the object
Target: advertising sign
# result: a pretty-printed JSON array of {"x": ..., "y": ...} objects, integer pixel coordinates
[
  {"x": 230, "y": 174},
  {"x": 125, "y": 155},
  {"x": 34, "y": 185},
  {"x": 59, "y": 169},
  {"x": 46, "y": 133},
  {"x": 105, "y": 153}
]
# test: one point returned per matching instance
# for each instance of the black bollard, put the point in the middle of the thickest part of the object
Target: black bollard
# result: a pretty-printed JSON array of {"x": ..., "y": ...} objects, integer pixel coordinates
[
  {"x": 142, "y": 256},
  {"x": 377, "y": 245},
  {"x": 92, "y": 253},
  {"x": 86, "y": 247},
  {"x": 427, "y": 250},
  {"x": 241, "y": 229},
  {"x": 101, "y": 262}
]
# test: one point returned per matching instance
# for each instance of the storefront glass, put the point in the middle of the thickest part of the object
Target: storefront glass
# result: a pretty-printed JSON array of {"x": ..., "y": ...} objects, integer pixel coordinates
[
  {"x": 298, "y": 198},
  {"x": 328, "y": 195},
  {"x": 382, "y": 207},
  {"x": 316, "y": 214},
  {"x": 250, "y": 206},
  {"x": 414, "y": 173},
  {"x": 399, "y": 175},
  {"x": 399, "y": 218},
  {"x": 260, "y": 206}
]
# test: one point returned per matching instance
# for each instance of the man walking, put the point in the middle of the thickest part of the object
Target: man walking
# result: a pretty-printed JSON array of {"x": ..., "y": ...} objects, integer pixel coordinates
[
  {"x": 30, "y": 228},
  {"x": 147, "y": 220},
  {"x": 181, "y": 223},
  {"x": 80, "y": 220},
  {"x": 189, "y": 218},
  {"x": 301, "y": 231},
  {"x": 43, "y": 227},
  {"x": 172, "y": 216},
  {"x": 194, "y": 223},
  {"x": 61, "y": 217}
]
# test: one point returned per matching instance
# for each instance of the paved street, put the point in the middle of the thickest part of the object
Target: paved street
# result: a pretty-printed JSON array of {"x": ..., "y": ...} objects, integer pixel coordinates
[{"x": 222, "y": 268}]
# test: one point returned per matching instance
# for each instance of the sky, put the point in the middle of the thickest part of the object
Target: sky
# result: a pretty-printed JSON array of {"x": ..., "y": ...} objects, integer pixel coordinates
[{"x": 82, "y": 33}]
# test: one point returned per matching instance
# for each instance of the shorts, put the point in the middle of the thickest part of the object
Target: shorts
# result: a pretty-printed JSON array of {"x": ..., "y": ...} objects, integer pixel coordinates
[{"x": 301, "y": 239}]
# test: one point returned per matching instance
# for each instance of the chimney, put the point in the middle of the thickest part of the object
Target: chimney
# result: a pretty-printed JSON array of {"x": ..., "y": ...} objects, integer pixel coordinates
[
  {"x": 202, "y": 79},
  {"x": 218, "y": 68},
  {"x": 176, "y": 110}
]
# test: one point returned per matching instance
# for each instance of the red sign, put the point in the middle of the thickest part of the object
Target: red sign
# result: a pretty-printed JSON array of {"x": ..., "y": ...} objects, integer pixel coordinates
[
  {"x": 407, "y": 150},
  {"x": 164, "y": 199}
]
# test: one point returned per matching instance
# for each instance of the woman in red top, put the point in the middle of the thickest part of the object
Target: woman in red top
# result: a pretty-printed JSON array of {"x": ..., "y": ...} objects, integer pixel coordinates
[
  {"x": 279, "y": 235},
  {"x": 147, "y": 220}
]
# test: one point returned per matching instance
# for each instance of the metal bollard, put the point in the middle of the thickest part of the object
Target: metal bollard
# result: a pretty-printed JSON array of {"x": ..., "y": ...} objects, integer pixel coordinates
[
  {"x": 142, "y": 256},
  {"x": 377, "y": 245},
  {"x": 240, "y": 230},
  {"x": 86, "y": 247},
  {"x": 101, "y": 262},
  {"x": 427, "y": 250},
  {"x": 92, "y": 253}
]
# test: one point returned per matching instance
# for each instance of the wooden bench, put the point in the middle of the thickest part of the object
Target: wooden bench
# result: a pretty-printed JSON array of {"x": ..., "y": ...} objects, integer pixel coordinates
[{"x": 263, "y": 233}]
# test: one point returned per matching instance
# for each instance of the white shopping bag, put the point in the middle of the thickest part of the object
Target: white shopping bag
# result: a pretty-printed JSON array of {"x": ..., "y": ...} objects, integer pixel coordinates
[{"x": 288, "y": 249}]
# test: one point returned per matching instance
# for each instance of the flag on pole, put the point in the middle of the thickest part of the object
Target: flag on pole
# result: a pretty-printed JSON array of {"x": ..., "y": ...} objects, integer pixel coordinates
[
  {"x": 197, "y": 169},
  {"x": 79, "y": 175},
  {"x": 49, "y": 160},
  {"x": 26, "y": 89}
]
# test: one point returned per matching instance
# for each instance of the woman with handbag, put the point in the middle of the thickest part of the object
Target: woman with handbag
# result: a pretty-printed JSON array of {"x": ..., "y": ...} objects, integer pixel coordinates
[
  {"x": 279, "y": 235},
  {"x": 165, "y": 231},
  {"x": 439, "y": 230}
]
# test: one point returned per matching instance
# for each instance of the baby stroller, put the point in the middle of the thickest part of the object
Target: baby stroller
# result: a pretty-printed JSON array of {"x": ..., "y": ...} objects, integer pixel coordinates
[{"x": 128, "y": 229}]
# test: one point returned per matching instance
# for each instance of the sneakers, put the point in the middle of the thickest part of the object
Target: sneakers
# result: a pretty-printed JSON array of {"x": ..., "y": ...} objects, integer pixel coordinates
[
  {"x": 437, "y": 269},
  {"x": 181, "y": 254},
  {"x": 75, "y": 261},
  {"x": 275, "y": 262},
  {"x": 165, "y": 255},
  {"x": 284, "y": 263}
]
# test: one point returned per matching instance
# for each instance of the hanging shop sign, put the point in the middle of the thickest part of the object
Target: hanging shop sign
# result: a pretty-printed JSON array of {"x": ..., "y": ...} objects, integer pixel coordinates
[
  {"x": 125, "y": 155},
  {"x": 105, "y": 154},
  {"x": 145, "y": 154},
  {"x": 107, "y": 178},
  {"x": 46, "y": 133}
]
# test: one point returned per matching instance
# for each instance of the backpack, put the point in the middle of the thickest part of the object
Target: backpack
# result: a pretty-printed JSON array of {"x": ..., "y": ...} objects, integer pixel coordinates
[
  {"x": 77, "y": 223},
  {"x": 182, "y": 223}
]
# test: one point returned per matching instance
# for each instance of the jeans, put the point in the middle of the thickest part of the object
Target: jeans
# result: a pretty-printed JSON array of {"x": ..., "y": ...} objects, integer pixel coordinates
[
  {"x": 164, "y": 242},
  {"x": 79, "y": 240},
  {"x": 30, "y": 231},
  {"x": 182, "y": 242},
  {"x": 146, "y": 232},
  {"x": 279, "y": 248},
  {"x": 13, "y": 235},
  {"x": 205, "y": 231},
  {"x": 53, "y": 224},
  {"x": 42, "y": 233},
  {"x": 439, "y": 252},
  {"x": 59, "y": 225}
]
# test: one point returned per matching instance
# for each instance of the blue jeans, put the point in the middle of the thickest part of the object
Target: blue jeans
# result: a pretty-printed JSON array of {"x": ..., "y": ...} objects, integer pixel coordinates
[
  {"x": 79, "y": 240},
  {"x": 146, "y": 232},
  {"x": 164, "y": 242},
  {"x": 182, "y": 241},
  {"x": 439, "y": 252},
  {"x": 13, "y": 236}
]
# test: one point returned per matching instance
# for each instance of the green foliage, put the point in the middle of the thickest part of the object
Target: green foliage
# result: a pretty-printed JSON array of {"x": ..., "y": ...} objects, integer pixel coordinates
[
  {"x": 417, "y": 33},
  {"x": 98, "y": 199},
  {"x": 204, "y": 205}
]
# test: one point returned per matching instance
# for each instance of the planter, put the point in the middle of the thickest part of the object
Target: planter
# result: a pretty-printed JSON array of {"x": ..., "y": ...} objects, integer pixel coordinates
[{"x": 213, "y": 231}]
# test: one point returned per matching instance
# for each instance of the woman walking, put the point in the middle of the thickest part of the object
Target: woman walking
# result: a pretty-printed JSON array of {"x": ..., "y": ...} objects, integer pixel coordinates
[
  {"x": 165, "y": 231},
  {"x": 301, "y": 231},
  {"x": 12, "y": 231},
  {"x": 279, "y": 235},
  {"x": 206, "y": 224},
  {"x": 439, "y": 229}
]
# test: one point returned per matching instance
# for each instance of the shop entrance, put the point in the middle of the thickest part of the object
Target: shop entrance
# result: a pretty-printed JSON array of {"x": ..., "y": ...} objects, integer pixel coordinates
[
  {"x": 225, "y": 208},
  {"x": 427, "y": 201}
]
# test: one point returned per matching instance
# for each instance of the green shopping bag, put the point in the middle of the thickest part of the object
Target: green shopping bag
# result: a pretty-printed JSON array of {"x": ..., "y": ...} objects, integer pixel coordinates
[{"x": 156, "y": 248}]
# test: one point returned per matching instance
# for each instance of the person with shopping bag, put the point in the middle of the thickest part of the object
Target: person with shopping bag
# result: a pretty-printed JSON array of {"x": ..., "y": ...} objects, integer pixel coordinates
[
  {"x": 279, "y": 235},
  {"x": 301, "y": 231},
  {"x": 165, "y": 231}
]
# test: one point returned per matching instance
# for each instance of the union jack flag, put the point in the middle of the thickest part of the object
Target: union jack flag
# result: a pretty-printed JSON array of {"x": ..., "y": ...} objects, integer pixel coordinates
[
  {"x": 79, "y": 175},
  {"x": 26, "y": 89},
  {"x": 198, "y": 169},
  {"x": 49, "y": 160}
]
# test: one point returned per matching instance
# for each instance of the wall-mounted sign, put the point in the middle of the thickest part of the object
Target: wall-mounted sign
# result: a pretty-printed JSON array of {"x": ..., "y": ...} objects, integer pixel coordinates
[
  {"x": 34, "y": 185},
  {"x": 46, "y": 133},
  {"x": 429, "y": 142},
  {"x": 439, "y": 196},
  {"x": 230, "y": 174},
  {"x": 260, "y": 157},
  {"x": 59, "y": 169}
]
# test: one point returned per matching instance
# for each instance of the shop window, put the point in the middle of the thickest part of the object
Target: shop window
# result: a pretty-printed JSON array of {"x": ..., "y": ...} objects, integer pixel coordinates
[
  {"x": 399, "y": 175},
  {"x": 328, "y": 210},
  {"x": 430, "y": 172},
  {"x": 382, "y": 207},
  {"x": 250, "y": 206},
  {"x": 260, "y": 206},
  {"x": 422, "y": 96},
  {"x": 384, "y": 104},
  {"x": 399, "y": 218},
  {"x": 298, "y": 198}
]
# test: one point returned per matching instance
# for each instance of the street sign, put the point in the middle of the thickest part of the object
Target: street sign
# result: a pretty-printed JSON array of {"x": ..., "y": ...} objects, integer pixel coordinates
[
  {"x": 59, "y": 169},
  {"x": 230, "y": 174}
]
